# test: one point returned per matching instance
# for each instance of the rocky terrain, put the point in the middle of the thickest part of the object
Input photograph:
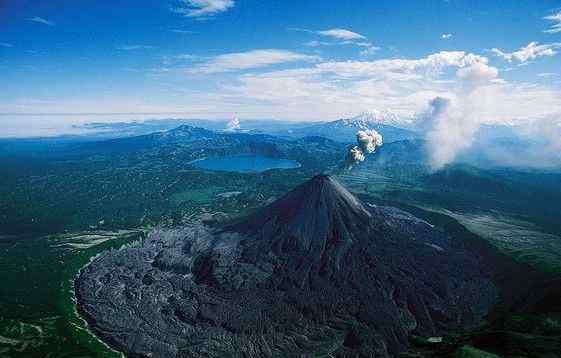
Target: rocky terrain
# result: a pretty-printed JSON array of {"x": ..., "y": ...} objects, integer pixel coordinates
[{"x": 316, "y": 272}]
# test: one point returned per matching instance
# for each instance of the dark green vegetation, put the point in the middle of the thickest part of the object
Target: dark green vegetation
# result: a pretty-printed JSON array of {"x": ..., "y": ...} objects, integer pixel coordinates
[
  {"x": 141, "y": 180},
  {"x": 517, "y": 210},
  {"x": 75, "y": 188},
  {"x": 37, "y": 314},
  {"x": 60, "y": 200}
]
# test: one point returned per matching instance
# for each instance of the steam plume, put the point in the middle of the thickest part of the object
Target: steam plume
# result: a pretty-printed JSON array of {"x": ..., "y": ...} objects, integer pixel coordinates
[
  {"x": 233, "y": 124},
  {"x": 454, "y": 122},
  {"x": 368, "y": 140}
]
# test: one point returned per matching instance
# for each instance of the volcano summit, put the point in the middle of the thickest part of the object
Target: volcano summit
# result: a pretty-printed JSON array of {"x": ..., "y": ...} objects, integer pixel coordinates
[{"x": 315, "y": 272}]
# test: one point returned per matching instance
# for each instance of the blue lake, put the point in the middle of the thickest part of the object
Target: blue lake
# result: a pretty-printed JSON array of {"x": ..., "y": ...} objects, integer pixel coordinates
[{"x": 246, "y": 163}]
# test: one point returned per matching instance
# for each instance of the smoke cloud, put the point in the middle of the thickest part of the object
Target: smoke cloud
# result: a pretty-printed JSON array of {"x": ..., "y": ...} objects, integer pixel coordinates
[
  {"x": 453, "y": 122},
  {"x": 368, "y": 140},
  {"x": 451, "y": 132},
  {"x": 233, "y": 125}
]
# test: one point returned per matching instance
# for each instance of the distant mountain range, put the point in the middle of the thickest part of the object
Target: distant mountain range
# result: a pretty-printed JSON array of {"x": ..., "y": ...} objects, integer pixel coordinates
[
  {"x": 187, "y": 143},
  {"x": 392, "y": 127},
  {"x": 493, "y": 145},
  {"x": 389, "y": 124}
]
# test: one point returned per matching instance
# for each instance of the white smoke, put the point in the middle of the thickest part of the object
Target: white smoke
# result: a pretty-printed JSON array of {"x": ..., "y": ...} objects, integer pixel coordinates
[
  {"x": 355, "y": 155},
  {"x": 454, "y": 122},
  {"x": 451, "y": 131},
  {"x": 368, "y": 140},
  {"x": 233, "y": 125}
]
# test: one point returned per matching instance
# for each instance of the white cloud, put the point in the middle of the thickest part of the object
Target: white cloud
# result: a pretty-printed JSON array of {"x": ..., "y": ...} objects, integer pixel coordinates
[
  {"x": 368, "y": 50},
  {"x": 477, "y": 73},
  {"x": 247, "y": 60},
  {"x": 318, "y": 89},
  {"x": 430, "y": 65},
  {"x": 548, "y": 74},
  {"x": 134, "y": 47},
  {"x": 5, "y": 44},
  {"x": 530, "y": 52},
  {"x": 341, "y": 37},
  {"x": 203, "y": 8},
  {"x": 335, "y": 89},
  {"x": 183, "y": 32},
  {"x": 179, "y": 58},
  {"x": 556, "y": 26},
  {"x": 341, "y": 34},
  {"x": 338, "y": 88},
  {"x": 315, "y": 43},
  {"x": 41, "y": 20},
  {"x": 446, "y": 36}
]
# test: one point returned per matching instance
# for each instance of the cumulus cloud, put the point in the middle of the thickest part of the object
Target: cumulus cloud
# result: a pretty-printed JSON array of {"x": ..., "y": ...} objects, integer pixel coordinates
[
  {"x": 446, "y": 36},
  {"x": 556, "y": 26},
  {"x": 203, "y": 8},
  {"x": 530, "y": 52},
  {"x": 341, "y": 34},
  {"x": 333, "y": 89},
  {"x": 338, "y": 89},
  {"x": 368, "y": 140},
  {"x": 476, "y": 74},
  {"x": 41, "y": 20},
  {"x": 430, "y": 65},
  {"x": 247, "y": 60}
]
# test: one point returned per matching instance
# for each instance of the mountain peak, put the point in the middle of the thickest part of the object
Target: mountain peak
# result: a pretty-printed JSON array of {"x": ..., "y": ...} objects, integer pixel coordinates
[
  {"x": 312, "y": 272},
  {"x": 322, "y": 195},
  {"x": 385, "y": 117},
  {"x": 316, "y": 215}
]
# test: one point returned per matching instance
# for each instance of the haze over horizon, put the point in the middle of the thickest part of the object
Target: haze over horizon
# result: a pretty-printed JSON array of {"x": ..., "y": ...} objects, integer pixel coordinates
[
  {"x": 280, "y": 178},
  {"x": 70, "y": 63}
]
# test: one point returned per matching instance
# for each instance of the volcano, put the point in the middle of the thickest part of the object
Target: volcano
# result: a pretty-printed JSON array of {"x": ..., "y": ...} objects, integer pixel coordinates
[{"x": 316, "y": 272}]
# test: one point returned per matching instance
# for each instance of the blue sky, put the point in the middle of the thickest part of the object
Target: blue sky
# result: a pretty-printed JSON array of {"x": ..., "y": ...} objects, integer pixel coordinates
[{"x": 276, "y": 59}]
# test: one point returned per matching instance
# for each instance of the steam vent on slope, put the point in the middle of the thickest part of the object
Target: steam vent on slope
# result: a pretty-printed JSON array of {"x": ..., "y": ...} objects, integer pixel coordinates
[{"x": 315, "y": 272}]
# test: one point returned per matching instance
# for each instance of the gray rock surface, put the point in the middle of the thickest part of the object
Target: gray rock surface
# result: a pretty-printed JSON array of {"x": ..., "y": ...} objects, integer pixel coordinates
[{"x": 315, "y": 272}]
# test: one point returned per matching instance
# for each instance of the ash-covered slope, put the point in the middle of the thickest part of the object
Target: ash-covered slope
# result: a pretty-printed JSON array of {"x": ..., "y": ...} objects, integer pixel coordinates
[
  {"x": 316, "y": 221},
  {"x": 316, "y": 272}
]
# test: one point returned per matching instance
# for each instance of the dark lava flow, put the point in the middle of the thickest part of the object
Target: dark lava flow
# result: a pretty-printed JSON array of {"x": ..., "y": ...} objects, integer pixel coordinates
[{"x": 315, "y": 272}]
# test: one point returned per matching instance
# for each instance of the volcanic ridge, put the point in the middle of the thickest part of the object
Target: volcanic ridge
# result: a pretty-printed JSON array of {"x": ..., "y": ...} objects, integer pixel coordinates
[{"x": 316, "y": 272}]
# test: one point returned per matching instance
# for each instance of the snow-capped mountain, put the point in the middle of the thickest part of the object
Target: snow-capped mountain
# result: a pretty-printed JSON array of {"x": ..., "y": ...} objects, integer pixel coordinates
[
  {"x": 391, "y": 126},
  {"x": 365, "y": 119}
]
